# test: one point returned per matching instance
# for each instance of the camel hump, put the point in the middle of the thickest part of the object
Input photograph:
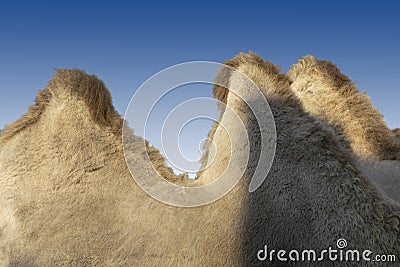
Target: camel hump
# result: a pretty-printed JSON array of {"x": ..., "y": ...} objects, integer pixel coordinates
[
  {"x": 67, "y": 83},
  {"x": 330, "y": 95},
  {"x": 304, "y": 64},
  {"x": 323, "y": 70},
  {"x": 264, "y": 74},
  {"x": 221, "y": 90}
]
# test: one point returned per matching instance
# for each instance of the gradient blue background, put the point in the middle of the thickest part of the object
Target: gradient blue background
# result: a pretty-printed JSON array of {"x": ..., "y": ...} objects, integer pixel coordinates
[{"x": 125, "y": 43}]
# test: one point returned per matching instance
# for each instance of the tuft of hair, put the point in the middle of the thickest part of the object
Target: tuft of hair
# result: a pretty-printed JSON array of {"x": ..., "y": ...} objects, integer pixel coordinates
[
  {"x": 162, "y": 168},
  {"x": 326, "y": 70},
  {"x": 220, "y": 90},
  {"x": 330, "y": 95},
  {"x": 253, "y": 65},
  {"x": 77, "y": 83}
]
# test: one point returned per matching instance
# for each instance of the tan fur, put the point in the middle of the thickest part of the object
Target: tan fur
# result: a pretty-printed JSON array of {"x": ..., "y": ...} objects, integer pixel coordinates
[
  {"x": 88, "y": 88},
  {"x": 97, "y": 98},
  {"x": 221, "y": 93},
  {"x": 160, "y": 165},
  {"x": 397, "y": 132},
  {"x": 328, "y": 94},
  {"x": 67, "y": 198}
]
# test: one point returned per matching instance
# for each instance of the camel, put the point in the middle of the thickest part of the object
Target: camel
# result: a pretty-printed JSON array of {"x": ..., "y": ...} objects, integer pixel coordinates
[
  {"x": 67, "y": 197},
  {"x": 331, "y": 96}
]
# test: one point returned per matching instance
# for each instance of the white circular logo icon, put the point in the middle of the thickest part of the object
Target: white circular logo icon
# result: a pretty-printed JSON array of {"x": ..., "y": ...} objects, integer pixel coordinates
[{"x": 158, "y": 86}]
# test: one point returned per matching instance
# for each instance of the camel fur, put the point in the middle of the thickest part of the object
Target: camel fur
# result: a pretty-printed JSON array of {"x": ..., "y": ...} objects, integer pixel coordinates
[
  {"x": 331, "y": 96},
  {"x": 67, "y": 197}
]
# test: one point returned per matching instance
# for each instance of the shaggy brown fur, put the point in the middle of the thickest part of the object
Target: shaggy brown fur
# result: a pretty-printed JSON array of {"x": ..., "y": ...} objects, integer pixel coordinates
[
  {"x": 76, "y": 82},
  {"x": 397, "y": 132},
  {"x": 221, "y": 92},
  {"x": 328, "y": 94},
  {"x": 386, "y": 174},
  {"x": 160, "y": 165},
  {"x": 67, "y": 198}
]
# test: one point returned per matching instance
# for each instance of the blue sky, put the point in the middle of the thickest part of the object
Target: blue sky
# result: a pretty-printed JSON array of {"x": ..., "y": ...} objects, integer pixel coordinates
[{"x": 125, "y": 43}]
